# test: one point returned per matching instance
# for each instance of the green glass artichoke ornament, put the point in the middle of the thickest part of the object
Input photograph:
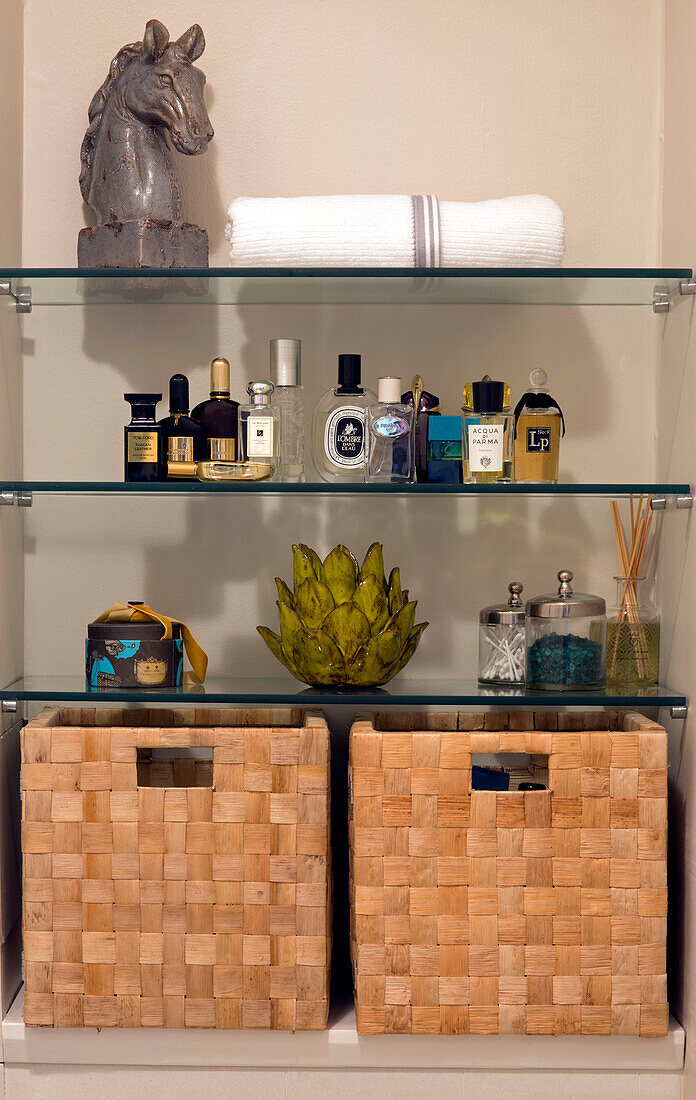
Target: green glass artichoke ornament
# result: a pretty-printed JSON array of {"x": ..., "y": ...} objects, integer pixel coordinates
[{"x": 341, "y": 624}]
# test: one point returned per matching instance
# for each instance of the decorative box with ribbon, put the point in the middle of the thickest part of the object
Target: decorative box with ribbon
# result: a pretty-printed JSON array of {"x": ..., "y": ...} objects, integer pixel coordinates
[{"x": 132, "y": 646}]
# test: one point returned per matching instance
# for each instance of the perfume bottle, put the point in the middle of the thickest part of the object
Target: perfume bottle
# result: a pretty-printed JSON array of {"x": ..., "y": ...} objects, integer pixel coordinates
[
  {"x": 144, "y": 457},
  {"x": 338, "y": 433},
  {"x": 286, "y": 370},
  {"x": 425, "y": 405},
  {"x": 183, "y": 438},
  {"x": 218, "y": 415},
  {"x": 259, "y": 423},
  {"x": 444, "y": 452},
  {"x": 390, "y": 434},
  {"x": 539, "y": 425},
  {"x": 487, "y": 430}
]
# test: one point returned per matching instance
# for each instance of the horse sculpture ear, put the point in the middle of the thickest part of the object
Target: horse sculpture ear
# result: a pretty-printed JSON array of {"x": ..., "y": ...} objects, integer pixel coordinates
[
  {"x": 192, "y": 42},
  {"x": 155, "y": 41}
]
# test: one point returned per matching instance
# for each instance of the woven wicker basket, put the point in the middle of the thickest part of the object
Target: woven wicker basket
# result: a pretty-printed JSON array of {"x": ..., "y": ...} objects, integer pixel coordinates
[
  {"x": 542, "y": 912},
  {"x": 176, "y": 892}
]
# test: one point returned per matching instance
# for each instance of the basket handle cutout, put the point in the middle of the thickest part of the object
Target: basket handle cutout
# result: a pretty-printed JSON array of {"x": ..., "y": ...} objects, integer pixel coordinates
[
  {"x": 175, "y": 767},
  {"x": 503, "y": 772}
]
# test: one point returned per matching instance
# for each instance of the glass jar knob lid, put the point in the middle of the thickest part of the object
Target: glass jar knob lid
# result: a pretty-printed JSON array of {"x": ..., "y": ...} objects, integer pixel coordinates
[
  {"x": 565, "y": 603},
  {"x": 511, "y": 613}
]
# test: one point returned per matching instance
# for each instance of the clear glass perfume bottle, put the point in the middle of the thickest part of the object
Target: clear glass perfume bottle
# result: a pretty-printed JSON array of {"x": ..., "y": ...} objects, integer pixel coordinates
[
  {"x": 487, "y": 431},
  {"x": 286, "y": 370},
  {"x": 338, "y": 433},
  {"x": 259, "y": 426},
  {"x": 390, "y": 435}
]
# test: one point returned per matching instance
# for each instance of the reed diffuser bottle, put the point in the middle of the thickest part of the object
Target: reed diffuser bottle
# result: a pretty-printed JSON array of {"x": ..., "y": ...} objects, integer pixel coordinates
[
  {"x": 633, "y": 628},
  {"x": 633, "y": 635}
]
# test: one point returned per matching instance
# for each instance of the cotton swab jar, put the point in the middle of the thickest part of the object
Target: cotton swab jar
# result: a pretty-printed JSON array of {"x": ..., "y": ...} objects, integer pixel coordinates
[{"x": 502, "y": 640}]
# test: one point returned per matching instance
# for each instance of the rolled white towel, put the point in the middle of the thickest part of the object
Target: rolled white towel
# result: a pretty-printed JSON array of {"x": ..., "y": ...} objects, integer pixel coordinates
[
  {"x": 322, "y": 231},
  {"x": 523, "y": 231},
  {"x": 394, "y": 231}
]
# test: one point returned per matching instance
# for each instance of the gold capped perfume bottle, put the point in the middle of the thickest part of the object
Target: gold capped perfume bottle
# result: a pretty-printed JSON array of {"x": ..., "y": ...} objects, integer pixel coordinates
[
  {"x": 487, "y": 431},
  {"x": 539, "y": 425}
]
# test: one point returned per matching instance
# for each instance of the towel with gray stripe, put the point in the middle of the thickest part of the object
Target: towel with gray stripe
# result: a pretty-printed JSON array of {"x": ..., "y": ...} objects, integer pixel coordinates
[{"x": 417, "y": 231}]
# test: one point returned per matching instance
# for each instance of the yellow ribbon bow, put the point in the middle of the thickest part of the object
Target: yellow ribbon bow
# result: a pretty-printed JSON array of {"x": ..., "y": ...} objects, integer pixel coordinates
[{"x": 140, "y": 612}]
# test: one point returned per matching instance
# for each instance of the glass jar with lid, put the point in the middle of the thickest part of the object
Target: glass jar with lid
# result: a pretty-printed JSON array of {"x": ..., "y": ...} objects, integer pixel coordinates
[
  {"x": 501, "y": 640},
  {"x": 566, "y": 639}
]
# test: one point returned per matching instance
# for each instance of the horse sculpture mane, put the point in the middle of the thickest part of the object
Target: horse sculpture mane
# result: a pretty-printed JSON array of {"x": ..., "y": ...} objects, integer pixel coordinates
[{"x": 96, "y": 109}]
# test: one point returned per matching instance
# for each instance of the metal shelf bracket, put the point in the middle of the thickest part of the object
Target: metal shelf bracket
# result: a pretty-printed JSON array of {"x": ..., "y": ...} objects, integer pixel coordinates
[
  {"x": 686, "y": 501},
  {"x": 678, "y": 713},
  {"x": 22, "y": 499},
  {"x": 687, "y": 286},
  {"x": 21, "y": 295},
  {"x": 658, "y": 504},
  {"x": 661, "y": 302},
  {"x": 8, "y": 706}
]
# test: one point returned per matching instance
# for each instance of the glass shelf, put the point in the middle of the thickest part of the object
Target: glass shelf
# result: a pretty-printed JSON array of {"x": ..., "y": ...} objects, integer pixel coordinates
[
  {"x": 282, "y": 689},
  {"x": 197, "y": 488},
  {"x": 348, "y": 286}
]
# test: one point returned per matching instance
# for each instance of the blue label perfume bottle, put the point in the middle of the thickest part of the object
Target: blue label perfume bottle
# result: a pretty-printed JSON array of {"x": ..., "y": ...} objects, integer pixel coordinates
[{"x": 390, "y": 432}]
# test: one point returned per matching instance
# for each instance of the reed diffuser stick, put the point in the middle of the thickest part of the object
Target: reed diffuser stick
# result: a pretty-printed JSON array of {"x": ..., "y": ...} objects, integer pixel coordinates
[{"x": 630, "y": 561}]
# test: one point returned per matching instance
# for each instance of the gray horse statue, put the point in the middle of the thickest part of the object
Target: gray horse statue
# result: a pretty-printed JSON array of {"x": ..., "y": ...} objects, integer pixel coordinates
[{"x": 152, "y": 98}]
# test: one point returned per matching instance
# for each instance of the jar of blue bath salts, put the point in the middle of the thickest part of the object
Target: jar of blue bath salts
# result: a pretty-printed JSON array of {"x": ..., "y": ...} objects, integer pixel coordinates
[{"x": 565, "y": 639}]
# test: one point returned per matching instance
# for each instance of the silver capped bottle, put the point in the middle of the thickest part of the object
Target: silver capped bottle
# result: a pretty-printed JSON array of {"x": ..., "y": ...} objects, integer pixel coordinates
[
  {"x": 338, "y": 433},
  {"x": 259, "y": 427},
  {"x": 286, "y": 371}
]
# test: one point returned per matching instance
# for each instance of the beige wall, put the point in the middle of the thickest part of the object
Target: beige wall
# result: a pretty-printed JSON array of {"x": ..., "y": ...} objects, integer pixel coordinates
[
  {"x": 464, "y": 99},
  {"x": 677, "y": 452}
]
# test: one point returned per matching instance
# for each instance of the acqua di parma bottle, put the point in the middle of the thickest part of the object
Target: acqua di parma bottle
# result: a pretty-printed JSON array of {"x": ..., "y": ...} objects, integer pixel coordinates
[{"x": 338, "y": 434}]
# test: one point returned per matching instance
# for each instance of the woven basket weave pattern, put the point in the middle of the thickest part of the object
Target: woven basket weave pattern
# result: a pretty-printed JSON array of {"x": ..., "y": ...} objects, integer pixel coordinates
[
  {"x": 541, "y": 912},
  {"x": 176, "y": 906}
]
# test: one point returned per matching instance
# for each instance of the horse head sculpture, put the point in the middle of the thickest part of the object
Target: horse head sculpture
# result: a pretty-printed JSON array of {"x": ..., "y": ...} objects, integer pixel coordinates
[{"x": 152, "y": 99}]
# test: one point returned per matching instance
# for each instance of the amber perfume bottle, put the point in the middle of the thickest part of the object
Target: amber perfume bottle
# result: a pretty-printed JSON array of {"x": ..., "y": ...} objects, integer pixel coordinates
[
  {"x": 539, "y": 425},
  {"x": 143, "y": 451},
  {"x": 487, "y": 432},
  {"x": 183, "y": 438},
  {"x": 218, "y": 415}
]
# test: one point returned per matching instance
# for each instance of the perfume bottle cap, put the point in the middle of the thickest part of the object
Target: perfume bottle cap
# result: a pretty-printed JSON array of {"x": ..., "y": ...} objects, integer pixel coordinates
[
  {"x": 538, "y": 379},
  {"x": 349, "y": 370},
  {"x": 220, "y": 376},
  {"x": 286, "y": 362},
  {"x": 488, "y": 396},
  {"x": 178, "y": 394},
  {"x": 389, "y": 390},
  {"x": 260, "y": 392},
  {"x": 145, "y": 403}
]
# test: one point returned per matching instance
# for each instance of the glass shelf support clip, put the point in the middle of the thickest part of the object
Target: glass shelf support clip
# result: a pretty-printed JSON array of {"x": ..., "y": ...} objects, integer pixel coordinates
[{"x": 21, "y": 296}]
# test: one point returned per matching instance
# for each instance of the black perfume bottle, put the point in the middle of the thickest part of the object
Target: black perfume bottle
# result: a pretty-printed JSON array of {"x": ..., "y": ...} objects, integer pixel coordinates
[
  {"x": 218, "y": 415},
  {"x": 143, "y": 439},
  {"x": 183, "y": 438}
]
